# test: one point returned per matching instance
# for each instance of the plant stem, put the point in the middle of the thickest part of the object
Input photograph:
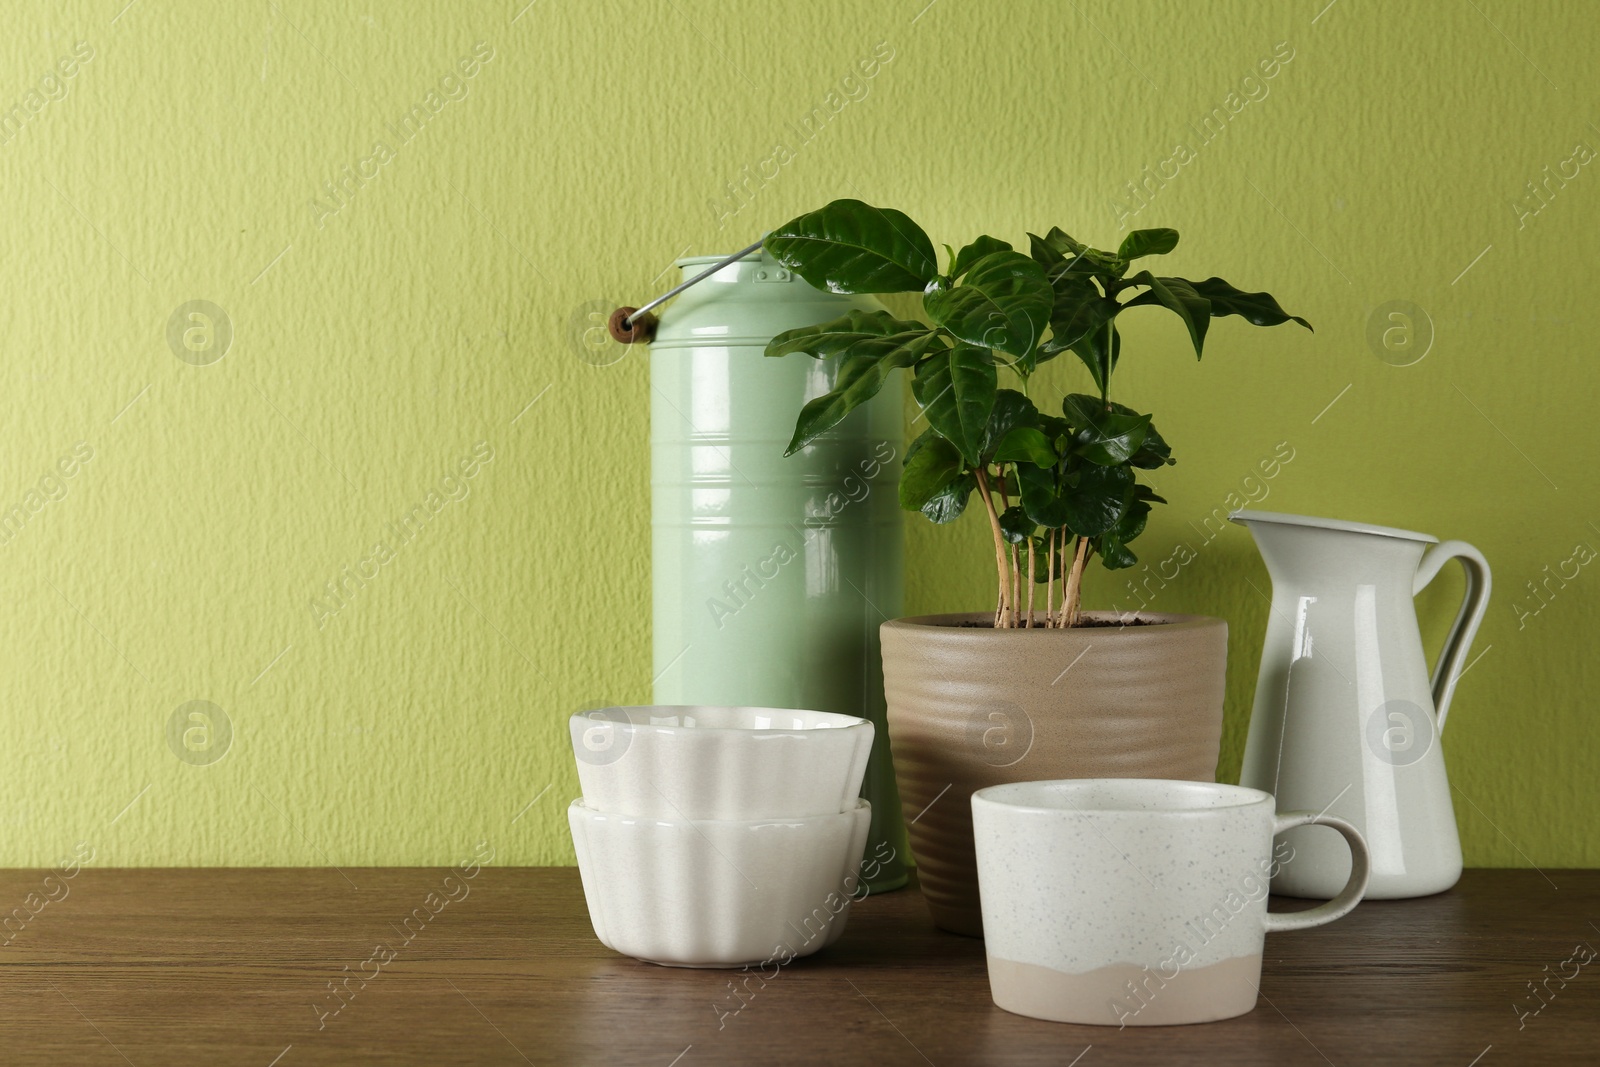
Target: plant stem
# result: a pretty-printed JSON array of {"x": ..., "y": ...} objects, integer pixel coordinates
[
  {"x": 1111, "y": 338},
  {"x": 1001, "y": 616},
  {"x": 1061, "y": 612},
  {"x": 1031, "y": 583},
  {"x": 1016, "y": 589},
  {"x": 1050, "y": 585},
  {"x": 1074, "y": 593}
]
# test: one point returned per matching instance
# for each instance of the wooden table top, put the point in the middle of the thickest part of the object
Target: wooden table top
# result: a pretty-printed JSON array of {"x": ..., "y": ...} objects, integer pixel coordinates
[{"x": 235, "y": 966}]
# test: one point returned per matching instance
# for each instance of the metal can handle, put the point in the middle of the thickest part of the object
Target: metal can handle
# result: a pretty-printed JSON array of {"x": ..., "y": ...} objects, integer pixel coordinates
[{"x": 630, "y": 325}]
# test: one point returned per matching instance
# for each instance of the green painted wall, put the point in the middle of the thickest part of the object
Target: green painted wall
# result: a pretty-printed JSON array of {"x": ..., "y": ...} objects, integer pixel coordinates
[{"x": 414, "y": 336}]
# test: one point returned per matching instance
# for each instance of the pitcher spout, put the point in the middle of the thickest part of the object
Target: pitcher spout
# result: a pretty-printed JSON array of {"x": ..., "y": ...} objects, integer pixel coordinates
[{"x": 1301, "y": 548}]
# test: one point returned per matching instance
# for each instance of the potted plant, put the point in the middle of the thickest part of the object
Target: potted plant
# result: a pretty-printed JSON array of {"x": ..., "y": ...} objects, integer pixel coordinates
[{"x": 1038, "y": 688}]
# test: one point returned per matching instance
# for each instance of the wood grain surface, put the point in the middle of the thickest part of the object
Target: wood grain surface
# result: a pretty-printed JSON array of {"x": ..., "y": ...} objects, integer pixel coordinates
[{"x": 225, "y": 966}]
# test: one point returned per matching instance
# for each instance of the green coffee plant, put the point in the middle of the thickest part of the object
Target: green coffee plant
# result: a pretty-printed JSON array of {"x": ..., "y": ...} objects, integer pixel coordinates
[{"x": 1056, "y": 479}]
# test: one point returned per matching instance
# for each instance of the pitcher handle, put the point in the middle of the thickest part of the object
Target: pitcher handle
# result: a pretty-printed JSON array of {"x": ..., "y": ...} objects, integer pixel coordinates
[{"x": 1452, "y": 659}]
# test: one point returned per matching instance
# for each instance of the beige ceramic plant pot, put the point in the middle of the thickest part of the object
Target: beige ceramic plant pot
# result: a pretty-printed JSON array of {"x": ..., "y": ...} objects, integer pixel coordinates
[{"x": 972, "y": 706}]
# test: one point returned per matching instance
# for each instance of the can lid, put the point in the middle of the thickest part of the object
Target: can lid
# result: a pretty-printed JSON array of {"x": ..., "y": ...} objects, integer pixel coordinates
[{"x": 746, "y": 303}]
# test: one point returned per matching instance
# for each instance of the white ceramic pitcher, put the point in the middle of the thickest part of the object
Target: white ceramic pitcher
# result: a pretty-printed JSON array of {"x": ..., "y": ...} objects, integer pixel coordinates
[{"x": 1346, "y": 718}]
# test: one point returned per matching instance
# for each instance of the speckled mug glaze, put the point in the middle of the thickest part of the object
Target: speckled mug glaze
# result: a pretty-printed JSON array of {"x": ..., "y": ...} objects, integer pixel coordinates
[{"x": 1135, "y": 902}]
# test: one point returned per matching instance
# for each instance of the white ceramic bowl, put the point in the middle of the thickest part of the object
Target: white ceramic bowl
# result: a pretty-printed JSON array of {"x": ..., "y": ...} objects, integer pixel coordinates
[
  {"x": 693, "y": 762},
  {"x": 712, "y": 893}
]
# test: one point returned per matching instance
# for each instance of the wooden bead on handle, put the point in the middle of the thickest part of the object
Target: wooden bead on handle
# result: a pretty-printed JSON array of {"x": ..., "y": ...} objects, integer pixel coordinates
[{"x": 642, "y": 330}]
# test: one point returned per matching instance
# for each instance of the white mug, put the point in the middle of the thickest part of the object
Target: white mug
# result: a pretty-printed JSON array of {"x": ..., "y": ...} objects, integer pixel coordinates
[{"x": 1135, "y": 902}]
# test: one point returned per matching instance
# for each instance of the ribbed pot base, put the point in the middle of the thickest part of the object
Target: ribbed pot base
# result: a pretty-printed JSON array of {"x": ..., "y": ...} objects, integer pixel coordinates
[{"x": 971, "y": 706}]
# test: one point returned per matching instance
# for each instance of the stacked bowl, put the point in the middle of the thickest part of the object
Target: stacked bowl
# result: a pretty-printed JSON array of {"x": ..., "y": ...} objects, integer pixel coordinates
[{"x": 719, "y": 836}]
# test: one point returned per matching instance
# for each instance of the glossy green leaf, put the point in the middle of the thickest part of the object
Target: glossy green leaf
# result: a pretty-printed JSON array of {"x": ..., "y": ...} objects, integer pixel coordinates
[
  {"x": 956, "y": 389},
  {"x": 1258, "y": 309},
  {"x": 1114, "y": 555},
  {"x": 1003, "y": 303},
  {"x": 1015, "y": 526},
  {"x": 852, "y": 247},
  {"x": 1096, "y": 502},
  {"x": 1044, "y": 255},
  {"x": 1179, "y": 297},
  {"x": 859, "y": 378},
  {"x": 856, "y": 333},
  {"x": 1077, "y": 315},
  {"x": 1093, "y": 353},
  {"x": 1055, "y": 247},
  {"x": 1132, "y": 521},
  {"x": 1081, "y": 410},
  {"x": 1114, "y": 440},
  {"x": 1026, "y": 445},
  {"x": 1107, "y": 434},
  {"x": 1140, "y": 243},
  {"x": 1041, "y": 496},
  {"x": 1068, "y": 261},
  {"x": 1057, "y": 431},
  {"x": 1062, "y": 268},
  {"x": 948, "y": 503},
  {"x": 1113, "y": 544},
  {"x": 1011, "y": 409},
  {"x": 929, "y": 469},
  {"x": 918, "y": 443},
  {"x": 1040, "y": 357},
  {"x": 1144, "y": 492},
  {"x": 1153, "y": 453},
  {"x": 983, "y": 246}
]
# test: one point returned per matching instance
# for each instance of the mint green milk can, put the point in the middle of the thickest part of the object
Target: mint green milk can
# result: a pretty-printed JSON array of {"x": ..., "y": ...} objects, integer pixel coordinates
[{"x": 772, "y": 574}]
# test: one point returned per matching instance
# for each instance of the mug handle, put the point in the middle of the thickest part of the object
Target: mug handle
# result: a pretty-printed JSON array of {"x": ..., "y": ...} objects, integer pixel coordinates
[
  {"x": 1454, "y": 655},
  {"x": 1348, "y": 897}
]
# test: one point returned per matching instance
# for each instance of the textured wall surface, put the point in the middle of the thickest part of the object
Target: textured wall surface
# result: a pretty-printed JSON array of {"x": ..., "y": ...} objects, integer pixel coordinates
[{"x": 404, "y": 218}]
